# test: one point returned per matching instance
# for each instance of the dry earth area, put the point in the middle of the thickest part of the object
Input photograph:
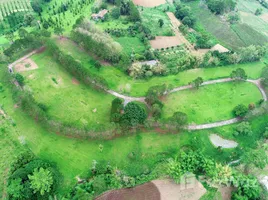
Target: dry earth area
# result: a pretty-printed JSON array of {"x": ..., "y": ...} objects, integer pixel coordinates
[
  {"x": 149, "y": 3},
  {"x": 25, "y": 65},
  {"x": 218, "y": 141},
  {"x": 158, "y": 190},
  {"x": 226, "y": 192}
]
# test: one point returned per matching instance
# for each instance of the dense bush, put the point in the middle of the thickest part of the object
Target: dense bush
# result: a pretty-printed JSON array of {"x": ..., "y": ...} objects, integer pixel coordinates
[
  {"x": 185, "y": 15},
  {"x": 221, "y": 6},
  {"x": 240, "y": 110},
  {"x": 25, "y": 182}
]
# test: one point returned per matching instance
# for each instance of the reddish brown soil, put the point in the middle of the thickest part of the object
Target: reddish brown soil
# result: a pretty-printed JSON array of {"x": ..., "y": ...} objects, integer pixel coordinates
[
  {"x": 75, "y": 81},
  {"x": 147, "y": 191},
  {"x": 149, "y": 3}
]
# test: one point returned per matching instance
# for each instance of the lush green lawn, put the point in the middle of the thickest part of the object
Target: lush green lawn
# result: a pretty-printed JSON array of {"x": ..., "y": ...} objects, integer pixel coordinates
[
  {"x": 119, "y": 81},
  {"x": 66, "y": 101},
  {"x": 131, "y": 45},
  {"x": 150, "y": 18},
  {"x": 211, "y": 103},
  {"x": 9, "y": 149}
]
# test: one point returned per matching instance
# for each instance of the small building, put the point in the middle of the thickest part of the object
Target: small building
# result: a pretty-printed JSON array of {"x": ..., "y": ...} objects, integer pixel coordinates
[
  {"x": 151, "y": 63},
  {"x": 100, "y": 15},
  {"x": 220, "y": 49}
]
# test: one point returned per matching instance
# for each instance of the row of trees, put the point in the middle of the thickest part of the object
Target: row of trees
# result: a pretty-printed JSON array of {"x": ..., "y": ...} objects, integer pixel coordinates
[
  {"x": 221, "y": 6},
  {"x": 92, "y": 39}
]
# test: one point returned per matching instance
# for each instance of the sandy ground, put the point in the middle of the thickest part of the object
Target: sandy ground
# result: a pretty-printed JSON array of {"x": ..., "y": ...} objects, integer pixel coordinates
[
  {"x": 25, "y": 65},
  {"x": 147, "y": 191},
  {"x": 192, "y": 190},
  {"x": 149, "y": 3},
  {"x": 220, "y": 142},
  {"x": 226, "y": 192}
]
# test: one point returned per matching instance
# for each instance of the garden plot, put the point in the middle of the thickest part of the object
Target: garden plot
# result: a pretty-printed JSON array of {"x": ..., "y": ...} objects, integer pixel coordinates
[
  {"x": 25, "y": 65},
  {"x": 149, "y": 3},
  {"x": 211, "y": 103}
]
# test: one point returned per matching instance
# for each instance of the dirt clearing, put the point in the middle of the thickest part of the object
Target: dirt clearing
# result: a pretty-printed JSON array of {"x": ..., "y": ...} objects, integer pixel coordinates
[
  {"x": 149, "y": 3},
  {"x": 75, "y": 81},
  {"x": 220, "y": 142},
  {"x": 165, "y": 42},
  {"x": 146, "y": 191},
  {"x": 190, "y": 190},
  {"x": 25, "y": 65}
]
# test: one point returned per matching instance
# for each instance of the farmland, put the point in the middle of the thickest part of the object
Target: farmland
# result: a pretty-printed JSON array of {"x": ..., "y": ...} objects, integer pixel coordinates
[{"x": 100, "y": 96}]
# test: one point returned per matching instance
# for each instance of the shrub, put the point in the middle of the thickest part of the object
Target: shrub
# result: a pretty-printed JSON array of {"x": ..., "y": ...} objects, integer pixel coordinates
[
  {"x": 243, "y": 128},
  {"x": 133, "y": 115},
  {"x": 240, "y": 110},
  {"x": 20, "y": 79}
]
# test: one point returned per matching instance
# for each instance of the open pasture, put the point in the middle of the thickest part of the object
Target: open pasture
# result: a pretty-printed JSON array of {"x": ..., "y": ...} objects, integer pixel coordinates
[
  {"x": 67, "y": 100},
  {"x": 211, "y": 103}
]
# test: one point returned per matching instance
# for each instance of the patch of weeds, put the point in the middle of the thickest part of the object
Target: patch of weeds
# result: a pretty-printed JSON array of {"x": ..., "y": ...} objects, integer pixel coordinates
[{"x": 54, "y": 80}]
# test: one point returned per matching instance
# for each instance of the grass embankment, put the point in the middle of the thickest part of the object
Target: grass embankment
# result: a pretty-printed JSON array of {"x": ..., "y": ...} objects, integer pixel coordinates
[
  {"x": 120, "y": 82},
  {"x": 67, "y": 100},
  {"x": 211, "y": 103}
]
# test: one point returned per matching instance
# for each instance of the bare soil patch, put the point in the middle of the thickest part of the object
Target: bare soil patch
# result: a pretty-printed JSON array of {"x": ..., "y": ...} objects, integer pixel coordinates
[
  {"x": 220, "y": 142},
  {"x": 166, "y": 41},
  {"x": 146, "y": 191},
  {"x": 226, "y": 192},
  {"x": 75, "y": 81},
  {"x": 25, "y": 65},
  {"x": 264, "y": 17},
  {"x": 190, "y": 190},
  {"x": 149, "y": 3}
]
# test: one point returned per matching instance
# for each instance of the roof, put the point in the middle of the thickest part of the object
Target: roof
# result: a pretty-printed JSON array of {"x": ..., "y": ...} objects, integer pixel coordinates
[
  {"x": 150, "y": 62},
  {"x": 101, "y": 14},
  {"x": 220, "y": 49}
]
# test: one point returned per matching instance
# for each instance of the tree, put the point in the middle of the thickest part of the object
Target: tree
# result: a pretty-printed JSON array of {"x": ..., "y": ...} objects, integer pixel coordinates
[
  {"x": 243, "y": 128},
  {"x": 239, "y": 74},
  {"x": 256, "y": 158},
  {"x": 174, "y": 170},
  {"x": 156, "y": 111},
  {"x": 22, "y": 33},
  {"x": 115, "y": 13},
  {"x": 117, "y": 107},
  {"x": 59, "y": 31},
  {"x": 240, "y": 110},
  {"x": 161, "y": 22},
  {"x": 15, "y": 189},
  {"x": 197, "y": 82},
  {"x": 20, "y": 79},
  {"x": 41, "y": 180},
  {"x": 264, "y": 76},
  {"x": 133, "y": 115},
  {"x": 178, "y": 119}
]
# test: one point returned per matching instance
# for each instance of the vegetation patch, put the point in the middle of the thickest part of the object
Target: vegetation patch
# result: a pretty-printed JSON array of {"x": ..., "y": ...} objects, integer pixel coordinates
[{"x": 211, "y": 103}]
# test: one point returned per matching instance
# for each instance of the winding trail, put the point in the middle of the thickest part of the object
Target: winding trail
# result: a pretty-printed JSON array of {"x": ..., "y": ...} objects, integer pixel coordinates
[{"x": 128, "y": 99}]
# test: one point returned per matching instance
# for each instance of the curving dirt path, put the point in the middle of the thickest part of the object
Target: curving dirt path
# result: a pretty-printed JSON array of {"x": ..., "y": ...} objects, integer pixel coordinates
[{"x": 128, "y": 99}]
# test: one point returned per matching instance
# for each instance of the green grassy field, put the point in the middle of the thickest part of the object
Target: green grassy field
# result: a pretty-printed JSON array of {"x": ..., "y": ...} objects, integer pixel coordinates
[
  {"x": 247, "y": 9},
  {"x": 119, "y": 81},
  {"x": 131, "y": 44},
  {"x": 67, "y": 101},
  {"x": 211, "y": 103},
  {"x": 9, "y": 149},
  {"x": 150, "y": 17},
  {"x": 74, "y": 157}
]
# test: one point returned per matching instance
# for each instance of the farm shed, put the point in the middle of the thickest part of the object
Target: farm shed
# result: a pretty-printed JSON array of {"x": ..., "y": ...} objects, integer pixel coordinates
[
  {"x": 100, "y": 15},
  {"x": 220, "y": 49}
]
